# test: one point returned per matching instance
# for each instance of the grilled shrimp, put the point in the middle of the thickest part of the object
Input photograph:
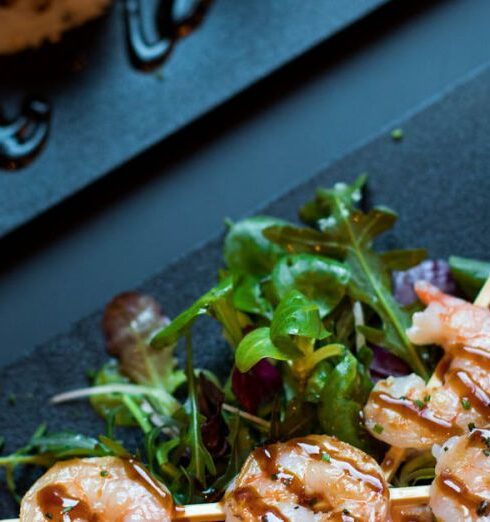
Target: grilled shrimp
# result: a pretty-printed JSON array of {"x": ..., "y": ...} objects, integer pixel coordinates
[
  {"x": 106, "y": 489},
  {"x": 403, "y": 411},
  {"x": 311, "y": 479},
  {"x": 461, "y": 490}
]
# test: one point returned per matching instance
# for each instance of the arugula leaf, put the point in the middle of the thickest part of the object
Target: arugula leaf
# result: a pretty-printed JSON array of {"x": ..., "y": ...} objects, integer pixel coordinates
[
  {"x": 258, "y": 345},
  {"x": 241, "y": 444},
  {"x": 315, "y": 211},
  {"x": 201, "y": 461},
  {"x": 470, "y": 274},
  {"x": 344, "y": 394},
  {"x": 45, "y": 449},
  {"x": 348, "y": 234},
  {"x": 247, "y": 251},
  {"x": 171, "y": 333},
  {"x": 323, "y": 281},
  {"x": 403, "y": 259}
]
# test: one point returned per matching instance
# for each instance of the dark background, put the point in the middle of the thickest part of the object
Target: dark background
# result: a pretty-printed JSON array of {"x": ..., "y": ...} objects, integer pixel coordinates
[{"x": 118, "y": 232}]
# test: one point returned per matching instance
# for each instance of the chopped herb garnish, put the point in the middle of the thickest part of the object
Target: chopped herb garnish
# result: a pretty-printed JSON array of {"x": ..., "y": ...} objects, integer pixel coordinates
[
  {"x": 471, "y": 426},
  {"x": 104, "y": 473},
  {"x": 397, "y": 134},
  {"x": 420, "y": 404},
  {"x": 427, "y": 398},
  {"x": 378, "y": 429},
  {"x": 486, "y": 452},
  {"x": 465, "y": 403},
  {"x": 326, "y": 457}
]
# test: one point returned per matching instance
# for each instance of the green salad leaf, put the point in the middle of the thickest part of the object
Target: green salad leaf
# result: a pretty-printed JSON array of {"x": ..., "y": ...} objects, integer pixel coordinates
[
  {"x": 296, "y": 316},
  {"x": 258, "y": 345},
  {"x": 348, "y": 233},
  {"x": 247, "y": 251},
  {"x": 201, "y": 460},
  {"x": 204, "y": 305},
  {"x": 344, "y": 394},
  {"x": 470, "y": 274},
  {"x": 248, "y": 296},
  {"x": 295, "y": 328},
  {"x": 323, "y": 281}
]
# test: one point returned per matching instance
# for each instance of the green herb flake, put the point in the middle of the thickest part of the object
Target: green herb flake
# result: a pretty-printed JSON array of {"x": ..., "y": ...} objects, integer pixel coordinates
[
  {"x": 427, "y": 398},
  {"x": 326, "y": 457},
  {"x": 465, "y": 403},
  {"x": 104, "y": 473},
  {"x": 420, "y": 404},
  {"x": 471, "y": 426},
  {"x": 486, "y": 452},
  {"x": 378, "y": 429},
  {"x": 397, "y": 134}
]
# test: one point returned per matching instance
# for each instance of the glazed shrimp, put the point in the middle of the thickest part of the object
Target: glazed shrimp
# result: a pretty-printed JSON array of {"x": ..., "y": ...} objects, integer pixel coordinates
[
  {"x": 461, "y": 490},
  {"x": 312, "y": 479},
  {"x": 403, "y": 411},
  {"x": 106, "y": 489}
]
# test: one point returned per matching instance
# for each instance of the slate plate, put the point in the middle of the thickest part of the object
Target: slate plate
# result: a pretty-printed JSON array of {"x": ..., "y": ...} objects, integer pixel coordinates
[
  {"x": 437, "y": 178},
  {"x": 105, "y": 112}
]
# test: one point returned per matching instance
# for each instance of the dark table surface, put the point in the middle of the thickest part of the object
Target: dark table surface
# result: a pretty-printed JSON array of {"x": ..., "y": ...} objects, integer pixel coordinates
[{"x": 120, "y": 231}]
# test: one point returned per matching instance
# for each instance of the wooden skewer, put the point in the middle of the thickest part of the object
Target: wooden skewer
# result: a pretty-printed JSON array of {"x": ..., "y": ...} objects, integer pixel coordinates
[
  {"x": 395, "y": 456},
  {"x": 215, "y": 512}
]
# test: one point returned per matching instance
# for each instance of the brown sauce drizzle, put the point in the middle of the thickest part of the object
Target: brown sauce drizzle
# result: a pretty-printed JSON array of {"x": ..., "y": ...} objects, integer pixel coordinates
[
  {"x": 442, "y": 367},
  {"x": 58, "y": 506},
  {"x": 480, "y": 436},
  {"x": 468, "y": 389},
  {"x": 175, "y": 19},
  {"x": 249, "y": 497},
  {"x": 478, "y": 355},
  {"x": 23, "y": 138},
  {"x": 407, "y": 408},
  {"x": 453, "y": 488}
]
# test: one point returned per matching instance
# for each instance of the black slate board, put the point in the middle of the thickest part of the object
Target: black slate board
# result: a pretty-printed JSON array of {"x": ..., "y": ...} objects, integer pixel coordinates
[
  {"x": 108, "y": 112},
  {"x": 437, "y": 178}
]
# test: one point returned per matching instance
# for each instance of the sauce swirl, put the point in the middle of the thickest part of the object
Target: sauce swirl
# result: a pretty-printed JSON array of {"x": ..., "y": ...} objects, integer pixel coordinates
[
  {"x": 22, "y": 139},
  {"x": 57, "y": 505}
]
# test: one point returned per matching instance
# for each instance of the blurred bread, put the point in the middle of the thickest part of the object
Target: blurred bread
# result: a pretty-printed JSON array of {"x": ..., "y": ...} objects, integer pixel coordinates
[{"x": 29, "y": 23}]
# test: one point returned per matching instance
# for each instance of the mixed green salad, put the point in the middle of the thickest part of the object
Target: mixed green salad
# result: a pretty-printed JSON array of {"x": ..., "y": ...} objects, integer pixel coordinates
[{"x": 313, "y": 315}]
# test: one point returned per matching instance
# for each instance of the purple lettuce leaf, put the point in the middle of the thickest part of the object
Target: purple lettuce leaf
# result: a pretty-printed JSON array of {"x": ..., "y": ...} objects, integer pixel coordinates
[
  {"x": 256, "y": 386},
  {"x": 434, "y": 271}
]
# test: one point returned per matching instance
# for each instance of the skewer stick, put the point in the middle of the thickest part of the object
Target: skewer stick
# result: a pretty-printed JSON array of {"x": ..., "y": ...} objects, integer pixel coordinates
[
  {"x": 215, "y": 512},
  {"x": 395, "y": 456}
]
